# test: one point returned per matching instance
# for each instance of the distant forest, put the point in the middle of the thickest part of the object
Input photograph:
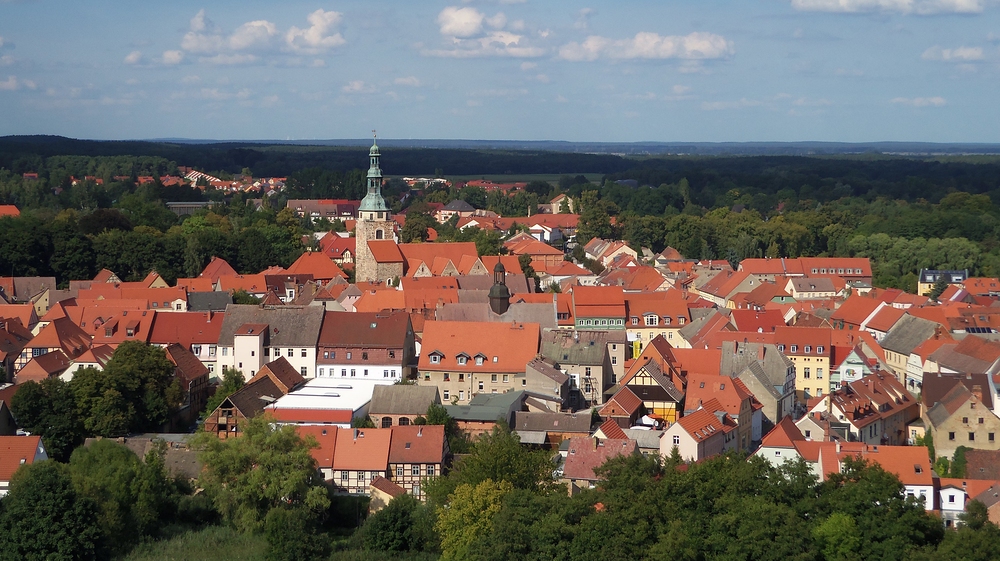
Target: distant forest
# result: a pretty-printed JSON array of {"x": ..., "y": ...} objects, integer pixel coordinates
[{"x": 905, "y": 213}]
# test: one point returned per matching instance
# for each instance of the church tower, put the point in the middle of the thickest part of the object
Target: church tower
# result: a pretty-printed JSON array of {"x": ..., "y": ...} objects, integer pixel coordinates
[
  {"x": 374, "y": 223},
  {"x": 499, "y": 293}
]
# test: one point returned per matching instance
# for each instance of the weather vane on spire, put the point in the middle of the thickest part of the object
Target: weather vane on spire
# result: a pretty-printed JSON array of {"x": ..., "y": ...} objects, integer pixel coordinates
[{"x": 373, "y": 134}]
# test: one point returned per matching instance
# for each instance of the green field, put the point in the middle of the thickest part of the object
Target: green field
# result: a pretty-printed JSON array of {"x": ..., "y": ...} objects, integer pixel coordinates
[{"x": 217, "y": 543}]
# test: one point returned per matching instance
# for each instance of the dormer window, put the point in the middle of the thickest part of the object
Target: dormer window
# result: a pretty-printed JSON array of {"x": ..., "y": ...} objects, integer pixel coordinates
[
  {"x": 795, "y": 348},
  {"x": 462, "y": 360},
  {"x": 681, "y": 320},
  {"x": 651, "y": 320},
  {"x": 480, "y": 359},
  {"x": 666, "y": 320},
  {"x": 819, "y": 349},
  {"x": 435, "y": 358},
  {"x": 808, "y": 349}
]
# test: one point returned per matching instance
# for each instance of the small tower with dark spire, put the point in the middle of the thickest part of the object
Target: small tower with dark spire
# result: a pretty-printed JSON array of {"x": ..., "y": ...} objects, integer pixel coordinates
[{"x": 499, "y": 293}]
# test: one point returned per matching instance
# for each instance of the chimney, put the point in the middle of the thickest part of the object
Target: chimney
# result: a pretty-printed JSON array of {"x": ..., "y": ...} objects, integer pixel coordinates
[
  {"x": 977, "y": 391},
  {"x": 420, "y": 431}
]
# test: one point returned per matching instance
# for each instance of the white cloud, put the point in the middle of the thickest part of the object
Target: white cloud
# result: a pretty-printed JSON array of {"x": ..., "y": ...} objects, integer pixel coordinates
[
  {"x": 357, "y": 86},
  {"x": 922, "y": 7},
  {"x": 408, "y": 81},
  {"x": 172, "y": 57},
  {"x": 227, "y": 59},
  {"x": 13, "y": 83},
  {"x": 680, "y": 90},
  {"x": 958, "y": 54},
  {"x": 496, "y": 43},
  {"x": 199, "y": 22},
  {"x": 135, "y": 57},
  {"x": 528, "y": 65},
  {"x": 6, "y": 60},
  {"x": 648, "y": 45},
  {"x": 498, "y": 21},
  {"x": 919, "y": 101},
  {"x": 253, "y": 34},
  {"x": 317, "y": 37},
  {"x": 583, "y": 18},
  {"x": 1, "y": 41},
  {"x": 460, "y": 22},
  {"x": 806, "y": 102},
  {"x": 216, "y": 94}
]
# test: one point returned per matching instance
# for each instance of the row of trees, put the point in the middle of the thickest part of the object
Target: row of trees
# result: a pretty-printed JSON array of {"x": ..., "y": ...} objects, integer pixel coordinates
[{"x": 136, "y": 392}]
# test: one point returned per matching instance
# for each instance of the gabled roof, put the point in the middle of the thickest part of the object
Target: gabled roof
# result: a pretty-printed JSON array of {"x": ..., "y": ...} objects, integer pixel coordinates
[
  {"x": 18, "y": 450},
  {"x": 855, "y": 310},
  {"x": 290, "y": 326},
  {"x": 752, "y": 320},
  {"x": 326, "y": 437},
  {"x": 316, "y": 264},
  {"x": 187, "y": 328},
  {"x": 703, "y": 388},
  {"x": 705, "y": 423},
  {"x": 42, "y": 367},
  {"x": 362, "y": 449},
  {"x": 282, "y": 373},
  {"x": 417, "y": 444},
  {"x": 552, "y": 422},
  {"x": 24, "y": 312},
  {"x": 784, "y": 435},
  {"x": 63, "y": 334},
  {"x": 610, "y": 429},
  {"x": 189, "y": 368},
  {"x": 251, "y": 399},
  {"x": 218, "y": 267},
  {"x": 625, "y": 400},
  {"x": 907, "y": 333},
  {"x": 387, "y": 487},
  {"x": 385, "y": 251}
]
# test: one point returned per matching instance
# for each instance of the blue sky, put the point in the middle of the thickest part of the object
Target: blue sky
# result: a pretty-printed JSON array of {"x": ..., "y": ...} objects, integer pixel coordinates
[{"x": 751, "y": 70}]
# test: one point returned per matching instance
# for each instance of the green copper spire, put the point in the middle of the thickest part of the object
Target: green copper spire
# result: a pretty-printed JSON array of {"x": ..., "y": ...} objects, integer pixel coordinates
[{"x": 373, "y": 201}]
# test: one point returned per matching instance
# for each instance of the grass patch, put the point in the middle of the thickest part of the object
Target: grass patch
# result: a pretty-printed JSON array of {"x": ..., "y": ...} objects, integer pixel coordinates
[{"x": 218, "y": 543}]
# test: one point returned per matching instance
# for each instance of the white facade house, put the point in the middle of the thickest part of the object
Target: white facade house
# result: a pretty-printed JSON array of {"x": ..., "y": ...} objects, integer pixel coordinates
[{"x": 253, "y": 336}]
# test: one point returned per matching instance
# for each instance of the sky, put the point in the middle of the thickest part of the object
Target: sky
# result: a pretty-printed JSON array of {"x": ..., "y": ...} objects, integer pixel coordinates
[{"x": 603, "y": 71}]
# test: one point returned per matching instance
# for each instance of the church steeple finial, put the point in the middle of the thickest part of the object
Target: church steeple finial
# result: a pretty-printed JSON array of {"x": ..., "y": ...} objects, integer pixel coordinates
[{"x": 373, "y": 201}]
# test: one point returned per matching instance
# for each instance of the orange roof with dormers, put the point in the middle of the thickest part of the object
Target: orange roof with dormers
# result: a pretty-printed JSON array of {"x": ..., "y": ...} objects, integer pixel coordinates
[
  {"x": 187, "y": 328},
  {"x": 444, "y": 252},
  {"x": 704, "y": 424},
  {"x": 981, "y": 286},
  {"x": 134, "y": 325},
  {"x": 702, "y": 388},
  {"x": 802, "y": 337},
  {"x": 502, "y": 347},
  {"x": 318, "y": 265},
  {"x": 912, "y": 464},
  {"x": 63, "y": 334}
]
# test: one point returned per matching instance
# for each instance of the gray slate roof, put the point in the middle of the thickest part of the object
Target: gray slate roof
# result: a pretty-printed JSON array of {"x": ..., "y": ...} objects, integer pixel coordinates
[
  {"x": 216, "y": 301},
  {"x": 552, "y": 422},
  {"x": 908, "y": 333},
  {"x": 522, "y": 312},
  {"x": 402, "y": 399},
  {"x": 288, "y": 326},
  {"x": 578, "y": 347},
  {"x": 488, "y": 407}
]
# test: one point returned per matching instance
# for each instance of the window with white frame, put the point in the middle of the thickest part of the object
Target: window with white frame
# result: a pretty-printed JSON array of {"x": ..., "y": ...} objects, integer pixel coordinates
[{"x": 650, "y": 319}]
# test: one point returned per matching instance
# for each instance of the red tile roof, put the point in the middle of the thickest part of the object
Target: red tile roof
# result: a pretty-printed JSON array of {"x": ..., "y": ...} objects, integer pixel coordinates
[
  {"x": 784, "y": 435},
  {"x": 218, "y": 267},
  {"x": 385, "y": 251},
  {"x": 318, "y": 265},
  {"x": 325, "y": 437},
  {"x": 752, "y": 320},
  {"x": 9, "y": 210}
]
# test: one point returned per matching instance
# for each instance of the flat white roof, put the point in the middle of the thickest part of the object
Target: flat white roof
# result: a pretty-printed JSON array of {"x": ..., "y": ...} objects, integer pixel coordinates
[{"x": 327, "y": 393}]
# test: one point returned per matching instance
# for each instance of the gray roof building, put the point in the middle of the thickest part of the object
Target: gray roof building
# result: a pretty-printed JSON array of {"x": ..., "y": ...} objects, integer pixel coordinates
[
  {"x": 908, "y": 332},
  {"x": 402, "y": 399},
  {"x": 216, "y": 301},
  {"x": 578, "y": 347},
  {"x": 288, "y": 326}
]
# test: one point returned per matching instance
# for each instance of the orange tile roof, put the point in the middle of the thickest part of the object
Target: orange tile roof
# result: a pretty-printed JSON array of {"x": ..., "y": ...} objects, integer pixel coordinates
[
  {"x": 855, "y": 309},
  {"x": 24, "y": 312},
  {"x": 751, "y": 320},
  {"x": 378, "y": 300},
  {"x": 63, "y": 334},
  {"x": 197, "y": 284},
  {"x": 325, "y": 437},
  {"x": 253, "y": 284},
  {"x": 703, "y": 424},
  {"x": 702, "y": 388},
  {"x": 9, "y": 210},
  {"x": 318, "y": 265},
  {"x": 14, "y": 450},
  {"x": 428, "y": 252},
  {"x": 218, "y": 267},
  {"x": 504, "y": 347},
  {"x": 783, "y": 435},
  {"x": 385, "y": 251},
  {"x": 886, "y": 318},
  {"x": 416, "y": 444},
  {"x": 362, "y": 449}
]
